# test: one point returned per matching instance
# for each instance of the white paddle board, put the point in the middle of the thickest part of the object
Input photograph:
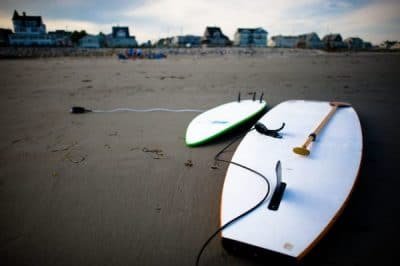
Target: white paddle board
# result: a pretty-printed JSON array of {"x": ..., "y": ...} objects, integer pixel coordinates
[
  {"x": 221, "y": 119},
  {"x": 317, "y": 185}
]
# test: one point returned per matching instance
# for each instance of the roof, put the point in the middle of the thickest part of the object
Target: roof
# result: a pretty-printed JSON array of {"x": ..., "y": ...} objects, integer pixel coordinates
[
  {"x": 90, "y": 36},
  {"x": 240, "y": 30},
  {"x": 24, "y": 18},
  {"x": 212, "y": 30},
  {"x": 308, "y": 36},
  {"x": 60, "y": 33},
  {"x": 332, "y": 37},
  {"x": 285, "y": 37},
  {"x": 353, "y": 39},
  {"x": 116, "y": 29},
  {"x": 188, "y": 36}
]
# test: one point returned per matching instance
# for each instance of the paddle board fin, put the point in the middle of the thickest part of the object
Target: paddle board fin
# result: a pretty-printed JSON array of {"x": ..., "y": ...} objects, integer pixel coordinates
[
  {"x": 279, "y": 189},
  {"x": 261, "y": 97}
]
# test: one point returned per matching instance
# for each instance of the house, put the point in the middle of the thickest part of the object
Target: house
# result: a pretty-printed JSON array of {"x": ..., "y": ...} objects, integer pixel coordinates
[
  {"x": 310, "y": 41},
  {"x": 395, "y": 46},
  {"x": 147, "y": 44},
  {"x": 281, "y": 41},
  {"x": 164, "y": 42},
  {"x": 61, "y": 37},
  {"x": 90, "y": 41},
  {"x": 29, "y": 31},
  {"x": 367, "y": 45},
  {"x": 120, "y": 38},
  {"x": 246, "y": 37},
  {"x": 387, "y": 44},
  {"x": 186, "y": 41},
  {"x": 213, "y": 37},
  {"x": 334, "y": 41},
  {"x": 354, "y": 43},
  {"x": 4, "y": 40}
]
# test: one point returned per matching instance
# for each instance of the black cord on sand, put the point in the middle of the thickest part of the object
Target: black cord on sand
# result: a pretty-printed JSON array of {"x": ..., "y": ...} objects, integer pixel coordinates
[
  {"x": 81, "y": 110},
  {"x": 216, "y": 158}
]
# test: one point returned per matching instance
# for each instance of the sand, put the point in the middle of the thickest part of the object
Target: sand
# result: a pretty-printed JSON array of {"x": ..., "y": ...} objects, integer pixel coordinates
[{"x": 81, "y": 190}]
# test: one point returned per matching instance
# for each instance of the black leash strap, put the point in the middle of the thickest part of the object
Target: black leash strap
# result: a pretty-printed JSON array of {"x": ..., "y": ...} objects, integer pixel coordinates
[
  {"x": 218, "y": 159},
  {"x": 262, "y": 129}
]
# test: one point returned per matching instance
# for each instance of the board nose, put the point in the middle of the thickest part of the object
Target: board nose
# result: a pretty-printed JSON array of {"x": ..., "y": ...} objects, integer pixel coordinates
[{"x": 340, "y": 104}]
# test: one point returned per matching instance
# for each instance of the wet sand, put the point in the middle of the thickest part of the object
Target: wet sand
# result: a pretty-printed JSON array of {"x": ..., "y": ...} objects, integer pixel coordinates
[{"x": 85, "y": 190}]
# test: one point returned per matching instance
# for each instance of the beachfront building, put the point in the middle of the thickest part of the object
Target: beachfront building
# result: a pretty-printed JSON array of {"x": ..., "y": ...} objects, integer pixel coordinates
[
  {"x": 354, "y": 43},
  {"x": 310, "y": 41},
  {"x": 120, "y": 37},
  {"x": 186, "y": 41},
  {"x": 387, "y": 44},
  {"x": 281, "y": 41},
  {"x": 164, "y": 42},
  {"x": 147, "y": 44},
  {"x": 334, "y": 41},
  {"x": 29, "y": 31},
  {"x": 213, "y": 37},
  {"x": 395, "y": 46},
  {"x": 246, "y": 37},
  {"x": 4, "y": 39},
  {"x": 367, "y": 45},
  {"x": 61, "y": 37},
  {"x": 90, "y": 41}
]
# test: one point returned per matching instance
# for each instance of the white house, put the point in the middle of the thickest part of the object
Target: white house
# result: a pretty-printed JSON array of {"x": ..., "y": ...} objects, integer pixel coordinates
[
  {"x": 29, "y": 31},
  {"x": 285, "y": 41},
  {"x": 354, "y": 43},
  {"x": 246, "y": 37},
  {"x": 310, "y": 41},
  {"x": 186, "y": 41},
  {"x": 334, "y": 41},
  {"x": 90, "y": 41},
  {"x": 61, "y": 37},
  {"x": 120, "y": 38},
  {"x": 164, "y": 42}
]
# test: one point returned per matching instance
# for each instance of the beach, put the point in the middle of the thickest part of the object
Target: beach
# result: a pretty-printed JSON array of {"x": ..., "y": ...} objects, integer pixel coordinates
[{"x": 123, "y": 189}]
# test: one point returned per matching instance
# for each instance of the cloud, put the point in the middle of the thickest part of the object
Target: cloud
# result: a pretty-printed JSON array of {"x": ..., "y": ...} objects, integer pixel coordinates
[
  {"x": 277, "y": 17},
  {"x": 194, "y": 16},
  {"x": 375, "y": 21},
  {"x": 375, "y": 13},
  {"x": 71, "y": 25},
  {"x": 150, "y": 19},
  {"x": 96, "y": 11},
  {"x": 5, "y": 20}
]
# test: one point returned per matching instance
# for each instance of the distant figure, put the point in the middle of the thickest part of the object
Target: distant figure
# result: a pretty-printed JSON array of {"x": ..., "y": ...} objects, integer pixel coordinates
[
  {"x": 122, "y": 56},
  {"x": 129, "y": 52}
]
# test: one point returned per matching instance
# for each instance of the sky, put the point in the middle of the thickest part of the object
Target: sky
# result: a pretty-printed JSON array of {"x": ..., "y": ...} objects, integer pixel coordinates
[{"x": 372, "y": 20}]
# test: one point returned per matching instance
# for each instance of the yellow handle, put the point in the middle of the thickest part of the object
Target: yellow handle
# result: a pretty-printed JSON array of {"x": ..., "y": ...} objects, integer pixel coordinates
[{"x": 303, "y": 149}]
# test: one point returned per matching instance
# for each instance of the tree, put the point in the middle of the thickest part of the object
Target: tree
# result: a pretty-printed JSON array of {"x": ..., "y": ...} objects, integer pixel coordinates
[
  {"x": 102, "y": 38},
  {"x": 77, "y": 35}
]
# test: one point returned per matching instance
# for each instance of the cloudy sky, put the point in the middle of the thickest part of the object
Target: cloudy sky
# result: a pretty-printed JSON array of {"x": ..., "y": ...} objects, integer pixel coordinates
[{"x": 372, "y": 20}]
